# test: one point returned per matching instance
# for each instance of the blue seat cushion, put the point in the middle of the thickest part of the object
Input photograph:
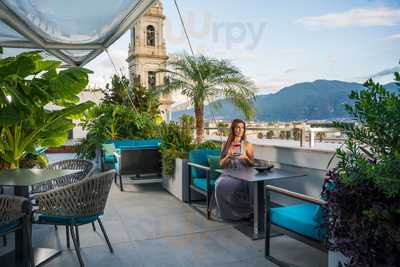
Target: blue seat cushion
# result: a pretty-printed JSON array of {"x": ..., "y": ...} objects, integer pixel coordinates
[
  {"x": 44, "y": 218},
  {"x": 318, "y": 216},
  {"x": 9, "y": 227},
  {"x": 202, "y": 183},
  {"x": 299, "y": 219},
  {"x": 200, "y": 156}
]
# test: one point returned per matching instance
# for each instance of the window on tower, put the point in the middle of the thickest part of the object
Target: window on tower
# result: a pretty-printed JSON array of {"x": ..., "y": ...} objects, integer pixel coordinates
[
  {"x": 133, "y": 37},
  {"x": 151, "y": 35},
  {"x": 151, "y": 77}
]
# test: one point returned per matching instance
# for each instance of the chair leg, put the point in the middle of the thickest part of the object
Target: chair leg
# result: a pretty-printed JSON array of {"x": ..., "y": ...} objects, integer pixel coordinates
[
  {"x": 120, "y": 183},
  {"x": 267, "y": 221},
  {"x": 77, "y": 248},
  {"x": 94, "y": 226},
  {"x": 67, "y": 236},
  {"x": 190, "y": 196},
  {"x": 115, "y": 178},
  {"x": 30, "y": 249},
  {"x": 55, "y": 227},
  {"x": 77, "y": 236},
  {"x": 105, "y": 235},
  {"x": 208, "y": 206},
  {"x": 5, "y": 240}
]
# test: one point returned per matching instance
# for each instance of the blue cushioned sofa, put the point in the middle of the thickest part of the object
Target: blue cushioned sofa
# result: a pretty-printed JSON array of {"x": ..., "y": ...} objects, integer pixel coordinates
[
  {"x": 132, "y": 158},
  {"x": 200, "y": 174},
  {"x": 302, "y": 222}
]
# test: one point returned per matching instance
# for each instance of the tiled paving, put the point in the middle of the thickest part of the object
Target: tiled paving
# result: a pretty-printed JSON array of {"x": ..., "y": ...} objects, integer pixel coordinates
[{"x": 149, "y": 227}]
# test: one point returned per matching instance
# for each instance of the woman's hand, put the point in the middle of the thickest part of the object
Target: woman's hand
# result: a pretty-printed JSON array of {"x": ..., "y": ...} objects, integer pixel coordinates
[{"x": 243, "y": 157}]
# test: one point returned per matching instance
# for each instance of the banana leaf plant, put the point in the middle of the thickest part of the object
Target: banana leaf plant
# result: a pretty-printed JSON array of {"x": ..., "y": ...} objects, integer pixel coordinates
[{"x": 29, "y": 85}]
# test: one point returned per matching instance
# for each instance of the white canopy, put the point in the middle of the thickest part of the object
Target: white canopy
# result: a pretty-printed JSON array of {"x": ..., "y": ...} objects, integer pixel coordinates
[{"x": 75, "y": 31}]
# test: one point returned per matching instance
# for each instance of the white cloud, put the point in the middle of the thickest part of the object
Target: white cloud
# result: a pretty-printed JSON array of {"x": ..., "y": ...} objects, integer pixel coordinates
[
  {"x": 385, "y": 72},
  {"x": 267, "y": 86},
  {"x": 359, "y": 17},
  {"x": 393, "y": 37}
]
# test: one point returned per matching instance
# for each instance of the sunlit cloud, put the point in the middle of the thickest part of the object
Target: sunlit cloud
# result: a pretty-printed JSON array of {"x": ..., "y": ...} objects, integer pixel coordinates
[
  {"x": 385, "y": 72},
  {"x": 359, "y": 17}
]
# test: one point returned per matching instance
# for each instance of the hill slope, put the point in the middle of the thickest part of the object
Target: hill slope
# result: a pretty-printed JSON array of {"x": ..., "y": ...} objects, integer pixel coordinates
[{"x": 318, "y": 100}]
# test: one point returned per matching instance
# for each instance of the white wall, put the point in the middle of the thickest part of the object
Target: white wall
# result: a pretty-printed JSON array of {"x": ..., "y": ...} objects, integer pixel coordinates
[{"x": 310, "y": 162}]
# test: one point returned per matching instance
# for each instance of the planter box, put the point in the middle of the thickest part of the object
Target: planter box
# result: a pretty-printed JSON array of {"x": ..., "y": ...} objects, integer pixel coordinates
[
  {"x": 174, "y": 184},
  {"x": 334, "y": 258},
  {"x": 177, "y": 184}
]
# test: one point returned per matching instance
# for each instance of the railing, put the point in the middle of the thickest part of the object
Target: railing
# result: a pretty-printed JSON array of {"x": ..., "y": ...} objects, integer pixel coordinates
[{"x": 302, "y": 135}]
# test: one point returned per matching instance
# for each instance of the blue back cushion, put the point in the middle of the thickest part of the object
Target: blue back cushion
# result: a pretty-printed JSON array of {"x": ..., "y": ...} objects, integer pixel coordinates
[
  {"x": 213, "y": 162},
  {"x": 148, "y": 142},
  {"x": 200, "y": 156},
  {"x": 121, "y": 144}
]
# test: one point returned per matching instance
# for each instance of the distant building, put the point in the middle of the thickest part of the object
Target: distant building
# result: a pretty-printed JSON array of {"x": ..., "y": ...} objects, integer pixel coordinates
[
  {"x": 147, "y": 53},
  {"x": 89, "y": 94}
]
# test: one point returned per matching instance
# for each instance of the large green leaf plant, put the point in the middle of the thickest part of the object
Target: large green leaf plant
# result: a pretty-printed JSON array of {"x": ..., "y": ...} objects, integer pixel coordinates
[{"x": 29, "y": 85}]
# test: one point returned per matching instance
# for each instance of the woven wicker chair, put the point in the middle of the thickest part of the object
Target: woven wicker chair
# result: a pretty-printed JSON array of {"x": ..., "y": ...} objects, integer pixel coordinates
[
  {"x": 86, "y": 166},
  {"x": 15, "y": 213},
  {"x": 75, "y": 205}
]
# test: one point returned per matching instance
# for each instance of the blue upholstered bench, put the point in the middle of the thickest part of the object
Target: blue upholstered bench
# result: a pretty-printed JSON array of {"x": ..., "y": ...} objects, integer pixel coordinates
[
  {"x": 302, "y": 222},
  {"x": 202, "y": 176},
  {"x": 110, "y": 147},
  {"x": 133, "y": 158}
]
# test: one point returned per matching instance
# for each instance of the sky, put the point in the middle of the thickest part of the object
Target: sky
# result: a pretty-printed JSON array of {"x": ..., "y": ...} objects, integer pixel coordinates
[{"x": 280, "y": 43}]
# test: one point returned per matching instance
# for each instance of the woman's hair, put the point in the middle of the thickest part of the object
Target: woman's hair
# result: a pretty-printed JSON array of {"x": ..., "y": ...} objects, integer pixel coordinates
[{"x": 231, "y": 136}]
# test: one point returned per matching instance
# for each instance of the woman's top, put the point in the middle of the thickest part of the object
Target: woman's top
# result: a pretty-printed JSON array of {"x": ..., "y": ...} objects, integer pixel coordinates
[{"x": 238, "y": 149}]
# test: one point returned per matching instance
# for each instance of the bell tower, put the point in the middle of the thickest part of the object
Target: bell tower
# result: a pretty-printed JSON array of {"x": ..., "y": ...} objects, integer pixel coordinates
[{"x": 148, "y": 53}]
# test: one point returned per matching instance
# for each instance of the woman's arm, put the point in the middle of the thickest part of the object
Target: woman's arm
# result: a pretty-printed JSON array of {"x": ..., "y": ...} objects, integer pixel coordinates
[{"x": 224, "y": 160}]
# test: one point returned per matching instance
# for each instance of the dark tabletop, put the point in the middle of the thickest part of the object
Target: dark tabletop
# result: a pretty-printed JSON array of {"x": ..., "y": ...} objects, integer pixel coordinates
[
  {"x": 251, "y": 175},
  {"x": 28, "y": 177}
]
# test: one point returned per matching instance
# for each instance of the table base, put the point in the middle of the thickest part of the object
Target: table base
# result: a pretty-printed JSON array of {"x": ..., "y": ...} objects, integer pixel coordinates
[
  {"x": 247, "y": 230},
  {"x": 41, "y": 256}
]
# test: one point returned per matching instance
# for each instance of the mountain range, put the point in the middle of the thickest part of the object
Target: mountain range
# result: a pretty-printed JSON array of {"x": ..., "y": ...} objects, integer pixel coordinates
[{"x": 318, "y": 100}]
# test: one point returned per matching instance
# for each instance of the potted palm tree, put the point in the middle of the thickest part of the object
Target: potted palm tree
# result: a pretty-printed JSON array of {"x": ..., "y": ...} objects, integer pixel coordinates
[{"x": 203, "y": 80}]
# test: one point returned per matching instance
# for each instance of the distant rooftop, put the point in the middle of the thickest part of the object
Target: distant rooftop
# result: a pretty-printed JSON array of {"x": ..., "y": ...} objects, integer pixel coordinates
[{"x": 318, "y": 146}]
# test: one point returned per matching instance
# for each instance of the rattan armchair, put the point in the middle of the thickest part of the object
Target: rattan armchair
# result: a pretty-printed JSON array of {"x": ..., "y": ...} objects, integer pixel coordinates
[
  {"x": 15, "y": 213},
  {"x": 76, "y": 204},
  {"x": 86, "y": 167}
]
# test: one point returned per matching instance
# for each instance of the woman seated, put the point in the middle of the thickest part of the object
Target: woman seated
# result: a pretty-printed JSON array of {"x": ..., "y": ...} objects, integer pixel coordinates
[{"x": 231, "y": 199}]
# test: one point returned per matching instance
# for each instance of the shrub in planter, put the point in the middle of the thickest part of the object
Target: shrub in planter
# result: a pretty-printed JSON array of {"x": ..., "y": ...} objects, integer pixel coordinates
[
  {"x": 211, "y": 144},
  {"x": 363, "y": 191},
  {"x": 176, "y": 141}
]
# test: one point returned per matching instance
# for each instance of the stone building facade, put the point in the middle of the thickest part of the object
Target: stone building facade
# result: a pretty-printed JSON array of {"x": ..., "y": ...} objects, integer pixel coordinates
[{"x": 147, "y": 53}]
